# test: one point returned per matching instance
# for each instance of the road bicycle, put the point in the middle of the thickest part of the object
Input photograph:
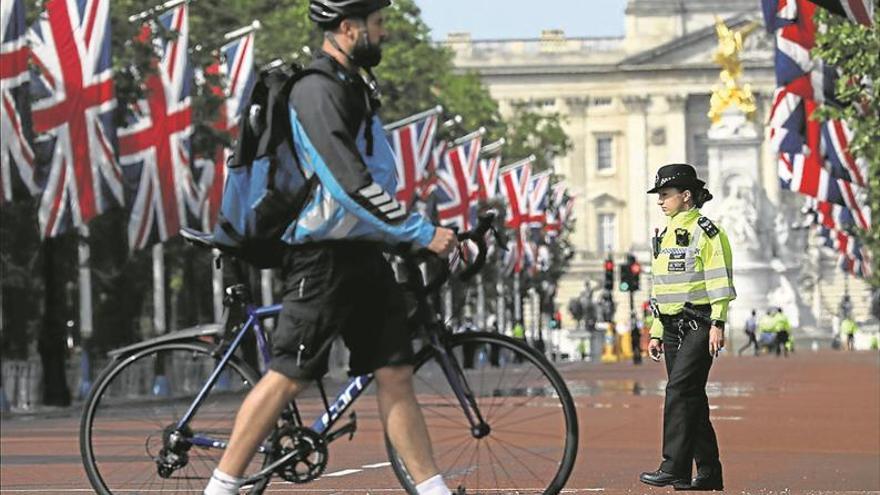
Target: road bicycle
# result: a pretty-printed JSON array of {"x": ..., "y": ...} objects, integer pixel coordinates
[{"x": 159, "y": 415}]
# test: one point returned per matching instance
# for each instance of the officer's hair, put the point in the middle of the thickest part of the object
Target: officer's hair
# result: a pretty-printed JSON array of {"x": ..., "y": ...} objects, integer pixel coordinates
[{"x": 700, "y": 196}]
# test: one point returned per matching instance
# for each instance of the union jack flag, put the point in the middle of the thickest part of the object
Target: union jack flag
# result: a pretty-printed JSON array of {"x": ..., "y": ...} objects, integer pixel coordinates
[
  {"x": 15, "y": 125},
  {"x": 457, "y": 189},
  {"x": 429, "y": 182},
  {"x": 833, "y": 216},
  {"x": 73, "y": 88},
  {"x": 154, "y": 147},
  {"x": 515, "y": 180},
  {"x": 854, "y": 257},
  {"x": 556, "y": 209},
  {"x": 860, "y": 11},
  {"x": 838, "y": 159},
  {"x": 236, "y": 68},
  {"x": 413, "y": 144},
  {"x": 539, "y": 187},
  {"x": 487, "y": 177}
]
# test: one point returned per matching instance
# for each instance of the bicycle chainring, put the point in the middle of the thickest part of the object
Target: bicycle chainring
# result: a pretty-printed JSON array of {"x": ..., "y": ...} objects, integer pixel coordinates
[{"x": 309, "y": 463}]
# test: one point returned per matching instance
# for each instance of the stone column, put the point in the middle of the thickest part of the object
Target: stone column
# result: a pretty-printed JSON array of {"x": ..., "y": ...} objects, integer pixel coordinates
[
  {"x": 741, "y": 208},
  {"x": 637, "y": 165}
]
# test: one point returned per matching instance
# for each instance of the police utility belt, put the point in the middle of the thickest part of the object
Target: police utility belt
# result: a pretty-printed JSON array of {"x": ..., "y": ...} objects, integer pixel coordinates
[{"x": 699, "y": 314}]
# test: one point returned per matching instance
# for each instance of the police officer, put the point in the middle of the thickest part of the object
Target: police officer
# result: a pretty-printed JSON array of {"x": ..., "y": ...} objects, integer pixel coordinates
[{"x": 692, "y": 264}]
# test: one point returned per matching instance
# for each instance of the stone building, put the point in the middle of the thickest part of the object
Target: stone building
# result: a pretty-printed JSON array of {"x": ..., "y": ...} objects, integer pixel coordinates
[{"x": 632, "y": 104}]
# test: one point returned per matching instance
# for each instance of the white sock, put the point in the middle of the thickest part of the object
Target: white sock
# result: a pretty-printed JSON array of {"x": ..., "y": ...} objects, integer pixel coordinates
[
  {"x": 433, "y": 486},
  {"x": 223, "y": 484}
]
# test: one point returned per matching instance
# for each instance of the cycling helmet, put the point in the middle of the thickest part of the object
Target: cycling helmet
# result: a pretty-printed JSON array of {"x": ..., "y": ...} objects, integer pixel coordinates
[{"x": 328, "y": 13}]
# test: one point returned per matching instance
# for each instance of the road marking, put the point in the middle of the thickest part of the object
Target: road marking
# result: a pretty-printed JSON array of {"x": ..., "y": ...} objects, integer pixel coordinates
[
  {"x": 726, "y": 418},
  {"x": 344, "y": 472}
]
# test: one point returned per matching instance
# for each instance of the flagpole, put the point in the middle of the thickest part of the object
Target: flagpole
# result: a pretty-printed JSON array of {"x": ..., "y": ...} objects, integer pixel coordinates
[
  {"x": 158, "y": 289},
  {"x": 413, "y": 118},
  {"x": 481, "y": 303},
  {"x": 217, "y": 285},
  {"x": 517, "y": 299},
  {"x": 468, "y": 137},
  {"x": 492, "y": 148},
  {"x": 517, "y": 163},
  {"x": 157, "y": 9},
  {"x": 242, "y": 31},
  {"x": 500, "y": 308},
  {"x": 85, "y": 310}
]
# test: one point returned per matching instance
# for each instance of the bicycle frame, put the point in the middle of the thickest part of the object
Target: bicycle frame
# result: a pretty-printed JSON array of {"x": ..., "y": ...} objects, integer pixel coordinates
[{"x": 335, "y": 409}]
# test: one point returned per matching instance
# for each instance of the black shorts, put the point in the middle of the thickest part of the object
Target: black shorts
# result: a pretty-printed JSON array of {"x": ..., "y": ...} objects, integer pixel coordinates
[{"x": 339, "y": 288}]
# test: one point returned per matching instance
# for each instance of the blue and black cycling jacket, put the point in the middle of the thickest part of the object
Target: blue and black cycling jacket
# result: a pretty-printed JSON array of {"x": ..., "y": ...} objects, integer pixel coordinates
[{"x": 354, "y": 197}]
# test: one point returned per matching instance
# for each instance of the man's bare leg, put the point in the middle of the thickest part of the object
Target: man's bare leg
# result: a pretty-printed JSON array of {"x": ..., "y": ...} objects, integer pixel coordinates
[
  {"x": 255, "y": 419},
  {"x": 403, "y": 421}
]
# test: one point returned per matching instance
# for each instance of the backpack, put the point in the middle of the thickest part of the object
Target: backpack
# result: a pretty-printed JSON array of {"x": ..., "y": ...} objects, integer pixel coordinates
[{"x": 266, "y": 187}]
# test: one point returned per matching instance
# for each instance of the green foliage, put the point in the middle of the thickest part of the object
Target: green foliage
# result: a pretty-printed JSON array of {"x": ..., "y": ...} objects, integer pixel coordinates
[{"x": 847, "y": 46}]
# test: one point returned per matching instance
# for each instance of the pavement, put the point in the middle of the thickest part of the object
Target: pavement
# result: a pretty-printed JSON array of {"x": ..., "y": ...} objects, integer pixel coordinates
[{"x": 806, "y": 424}]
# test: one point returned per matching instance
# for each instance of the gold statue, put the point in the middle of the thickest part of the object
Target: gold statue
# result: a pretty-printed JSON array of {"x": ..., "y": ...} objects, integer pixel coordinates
[{"x": 730, "y": 45}]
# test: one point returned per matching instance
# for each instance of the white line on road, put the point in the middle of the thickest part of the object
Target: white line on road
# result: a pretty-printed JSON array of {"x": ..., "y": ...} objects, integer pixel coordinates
[{"x": 344, "y": 472}]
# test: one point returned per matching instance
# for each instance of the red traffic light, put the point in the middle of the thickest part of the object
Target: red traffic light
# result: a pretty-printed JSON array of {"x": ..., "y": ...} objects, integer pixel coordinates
[
  {"x": 609, "y": 266},
  {"x": 635, "y": 268}
]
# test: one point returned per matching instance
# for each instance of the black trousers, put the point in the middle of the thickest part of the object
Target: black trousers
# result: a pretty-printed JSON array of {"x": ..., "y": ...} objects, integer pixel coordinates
[{"x": 688, "y": 435}]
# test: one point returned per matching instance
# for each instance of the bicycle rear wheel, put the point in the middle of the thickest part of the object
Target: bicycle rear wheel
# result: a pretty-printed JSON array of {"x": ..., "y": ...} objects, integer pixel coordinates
[
  {"x": 532, "y": 443},
  {"x": 139, "y": 399}
]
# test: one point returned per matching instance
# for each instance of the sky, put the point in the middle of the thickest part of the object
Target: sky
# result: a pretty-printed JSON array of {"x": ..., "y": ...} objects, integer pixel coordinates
[{"x": 492, "y": 19}]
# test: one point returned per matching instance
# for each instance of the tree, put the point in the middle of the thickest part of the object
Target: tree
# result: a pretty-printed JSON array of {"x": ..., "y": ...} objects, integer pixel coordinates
[{"x": 844, "y": 44}]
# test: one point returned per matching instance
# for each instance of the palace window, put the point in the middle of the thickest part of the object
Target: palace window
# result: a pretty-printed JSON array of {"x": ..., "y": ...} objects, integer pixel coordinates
[
  {"x": 606, "y": 242},
  {"x": 604, "y": 153}
]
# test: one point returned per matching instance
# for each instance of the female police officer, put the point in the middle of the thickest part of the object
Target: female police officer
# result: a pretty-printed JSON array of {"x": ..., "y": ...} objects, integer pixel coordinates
[{"x": 692, "y": 264}]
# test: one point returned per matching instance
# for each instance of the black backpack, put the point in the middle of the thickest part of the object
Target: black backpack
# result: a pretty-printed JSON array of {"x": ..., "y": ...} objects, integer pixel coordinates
[{"x": 266, "y": 187}]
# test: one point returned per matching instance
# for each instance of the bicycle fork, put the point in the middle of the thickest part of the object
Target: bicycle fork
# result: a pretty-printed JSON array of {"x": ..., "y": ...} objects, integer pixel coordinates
[{"x": 454, "y": 374}]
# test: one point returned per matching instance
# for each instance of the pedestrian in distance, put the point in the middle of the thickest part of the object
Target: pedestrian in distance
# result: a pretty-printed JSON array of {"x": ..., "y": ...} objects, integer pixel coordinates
[
  {"x": 767, "y": 331},
  {"x": 751, "y": 330},
  {"x": 849, "y": 328},
  {"x": 336, "y": 278},
  {"x": 692, "y": 268},
  {"x": 782, "y": 328}
]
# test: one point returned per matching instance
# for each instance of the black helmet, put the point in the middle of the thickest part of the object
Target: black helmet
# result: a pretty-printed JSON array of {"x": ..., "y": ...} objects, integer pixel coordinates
[{"x": 328, "y": 13}]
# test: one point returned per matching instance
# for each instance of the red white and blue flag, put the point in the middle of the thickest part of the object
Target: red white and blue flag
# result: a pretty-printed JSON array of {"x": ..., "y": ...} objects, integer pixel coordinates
[
  {"x": 154, "y": 147},
  {"x": 488, "y": 169},
  {"x": 456, "y": 186},
  {"x": 74, "y": 102},
  {"x": 515, "y": 180},
  {"x": 16, "y": 155},
  {"x": 413, "y": 144},
  {"x": 539, "y": 189},
  {"x": 839, "y": 161},
  {"x": 236, "y": 71}
]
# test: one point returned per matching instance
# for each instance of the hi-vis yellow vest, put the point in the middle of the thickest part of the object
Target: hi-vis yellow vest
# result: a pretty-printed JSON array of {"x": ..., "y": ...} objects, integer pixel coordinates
[{"x": 694, "y": 264}]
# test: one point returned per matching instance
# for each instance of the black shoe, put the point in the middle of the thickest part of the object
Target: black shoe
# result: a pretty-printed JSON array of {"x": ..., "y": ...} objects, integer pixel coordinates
[
  {"x": 705, "y": 482},
  {"x": 661, "y": 478}
]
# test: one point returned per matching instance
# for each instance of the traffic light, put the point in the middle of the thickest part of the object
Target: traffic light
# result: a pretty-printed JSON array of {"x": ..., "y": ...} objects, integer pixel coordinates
[
  {"x": 609, "y": 275},
  {"x": 630, "y": 273}
]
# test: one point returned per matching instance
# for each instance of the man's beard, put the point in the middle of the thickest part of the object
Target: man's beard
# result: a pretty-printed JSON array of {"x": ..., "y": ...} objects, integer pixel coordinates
[{"x": 366, "y": 54}]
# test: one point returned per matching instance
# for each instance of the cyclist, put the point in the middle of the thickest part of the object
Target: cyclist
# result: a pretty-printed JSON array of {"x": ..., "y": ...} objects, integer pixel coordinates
[{"x": 336, "y": 279}]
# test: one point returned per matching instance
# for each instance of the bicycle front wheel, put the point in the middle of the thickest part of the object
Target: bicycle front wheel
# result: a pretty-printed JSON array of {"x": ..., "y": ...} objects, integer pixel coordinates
[
  {"x": 533, "y": 429},
  {"x": 136, "y": 403}
]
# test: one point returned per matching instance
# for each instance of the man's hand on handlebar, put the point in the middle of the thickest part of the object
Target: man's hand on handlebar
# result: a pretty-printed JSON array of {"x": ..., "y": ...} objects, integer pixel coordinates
[{"x": 444, "y": 242}]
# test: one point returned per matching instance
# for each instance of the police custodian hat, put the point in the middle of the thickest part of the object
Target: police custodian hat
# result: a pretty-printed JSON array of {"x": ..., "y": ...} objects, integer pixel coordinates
[{"x": 680, "y": 175}]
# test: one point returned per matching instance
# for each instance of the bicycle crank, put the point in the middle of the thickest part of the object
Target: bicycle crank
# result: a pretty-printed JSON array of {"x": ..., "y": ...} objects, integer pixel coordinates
[{"x": 310, "y": 459}]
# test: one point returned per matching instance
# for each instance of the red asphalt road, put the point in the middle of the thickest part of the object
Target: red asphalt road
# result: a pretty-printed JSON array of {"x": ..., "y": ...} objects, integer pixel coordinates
[{"x": 807, "y": 424}]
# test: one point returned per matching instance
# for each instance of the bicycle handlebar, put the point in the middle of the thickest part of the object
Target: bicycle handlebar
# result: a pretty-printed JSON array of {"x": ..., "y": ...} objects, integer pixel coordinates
[{"x": 477, "y": 235}]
